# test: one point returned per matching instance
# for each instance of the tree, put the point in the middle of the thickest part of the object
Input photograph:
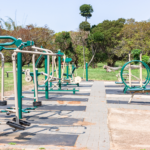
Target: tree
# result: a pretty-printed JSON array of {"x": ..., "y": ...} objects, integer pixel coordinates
[
  {"x": 83, "y": 36},
  {"x": 63, "y": 42},
  {"x": 10, "y": 24},
  {"x": 135, "y": 35},
  {"x": 84, "y": 26},
  {"x": 94, "y": 41},
  {"x": 86, "y": 10},
  {"x": 110, "y": 44},
  {"x": 79, "y": 39},
  {"x": 42, "y": 36}
]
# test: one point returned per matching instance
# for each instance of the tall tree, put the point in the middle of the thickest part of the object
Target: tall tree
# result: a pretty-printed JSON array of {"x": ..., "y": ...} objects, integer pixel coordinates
[
  {"x": 94, "y": 40},
  {"x": 110, "y": 30},
  {"x": 86, "y": 11}
]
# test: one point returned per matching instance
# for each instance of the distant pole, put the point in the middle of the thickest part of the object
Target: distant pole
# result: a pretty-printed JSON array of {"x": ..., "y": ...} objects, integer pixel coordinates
[
  {"x": 59, "y": 68},
  {"x": 86, "y": 71}
]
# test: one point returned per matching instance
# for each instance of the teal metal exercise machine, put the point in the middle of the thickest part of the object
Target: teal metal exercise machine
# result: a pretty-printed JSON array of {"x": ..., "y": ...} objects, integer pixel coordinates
[
  {"x": 17, "y": 123},
  {"x": 18, "y": 83},
  {"x": 69, "y": 79},
  {"x": 136, "y": 88},
  {"x": 59, "y": 78},
  {"x": 127, "y": 74}
]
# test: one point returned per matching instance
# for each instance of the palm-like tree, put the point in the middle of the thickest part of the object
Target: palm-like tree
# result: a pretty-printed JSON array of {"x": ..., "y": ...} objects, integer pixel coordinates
[{"x": 9, "y": 24}]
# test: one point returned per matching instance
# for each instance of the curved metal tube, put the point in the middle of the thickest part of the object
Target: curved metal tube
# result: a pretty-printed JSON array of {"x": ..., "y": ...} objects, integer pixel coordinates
[{"x": 8, "y": 43}]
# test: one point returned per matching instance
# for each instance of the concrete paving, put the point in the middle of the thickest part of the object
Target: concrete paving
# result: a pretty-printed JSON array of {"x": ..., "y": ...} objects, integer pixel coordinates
[
  {"x": 70, "y": 121},
  {"x": 65, "y": 121}
]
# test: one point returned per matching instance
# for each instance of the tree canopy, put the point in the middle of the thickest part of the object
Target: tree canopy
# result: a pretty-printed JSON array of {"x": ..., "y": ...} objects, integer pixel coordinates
[
  {"x": 85, "y": 26},
  {"x": 86, "y": 11},
  {"x": 110, "y": 31}
]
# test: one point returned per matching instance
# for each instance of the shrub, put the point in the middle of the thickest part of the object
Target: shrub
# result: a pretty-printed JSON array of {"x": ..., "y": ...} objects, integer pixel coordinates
[
  {"x": 136, "y": 54},
  {"x": 85, "y": 26},
  {"x": 145, "y": 58}
]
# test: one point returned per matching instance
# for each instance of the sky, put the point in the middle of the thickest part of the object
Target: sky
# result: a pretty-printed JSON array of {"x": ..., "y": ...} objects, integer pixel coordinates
[{"x": 63, "y": 15}]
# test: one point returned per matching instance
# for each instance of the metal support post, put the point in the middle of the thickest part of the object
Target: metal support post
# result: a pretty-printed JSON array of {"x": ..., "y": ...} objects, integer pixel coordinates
[
  {"x": 130, "y": 69},
  {"x": 19, "y": 82},
  {"x": 86, "y": 71},
  {"x": 59, "y": 68},
  {"x": 46, "y": 84},
  {"x": 18, "y": 113},
  {"x": 141, "y": 70},
  {"x": 67, "y": 70}
]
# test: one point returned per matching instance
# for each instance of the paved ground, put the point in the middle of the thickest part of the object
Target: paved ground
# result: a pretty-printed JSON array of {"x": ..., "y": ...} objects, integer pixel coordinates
[
  {"x": 96, "y": 118},
  {"x": 65, "y": 121}
]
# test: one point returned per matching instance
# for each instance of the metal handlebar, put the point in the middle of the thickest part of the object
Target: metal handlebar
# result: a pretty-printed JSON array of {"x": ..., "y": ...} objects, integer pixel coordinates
[
  {"x": 8, "y": 43},
  {"x": 17, "y": 42}
]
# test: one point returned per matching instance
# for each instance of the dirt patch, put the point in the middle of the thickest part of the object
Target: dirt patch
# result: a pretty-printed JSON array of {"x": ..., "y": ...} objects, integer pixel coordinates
[
  {"x": 129, "y": 129},
  {"x": 66, "y": 102},
  {"x": 84, "y": 123}
]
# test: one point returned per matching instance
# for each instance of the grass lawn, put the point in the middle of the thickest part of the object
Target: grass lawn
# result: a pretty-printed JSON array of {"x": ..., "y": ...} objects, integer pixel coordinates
[{"x": 94, "y": 74}]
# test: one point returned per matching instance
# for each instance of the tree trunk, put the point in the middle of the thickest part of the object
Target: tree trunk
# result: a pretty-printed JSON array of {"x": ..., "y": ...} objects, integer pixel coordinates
[
  {"x": 85, "y": 19},
  {"x": 93, "y": 52},
  {"x": 84, "y": 56},
  {"x": 76, "y": 60}
]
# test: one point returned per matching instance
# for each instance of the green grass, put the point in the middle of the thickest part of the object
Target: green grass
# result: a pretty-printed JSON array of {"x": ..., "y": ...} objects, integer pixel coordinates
[
  {"x": 100, "y": 74},
  {"x": 94, "y": 74},
  {"x": 41, "y": 148},
  {"x": 8, "y": 82},
  {"x": 12, "y": 143}
]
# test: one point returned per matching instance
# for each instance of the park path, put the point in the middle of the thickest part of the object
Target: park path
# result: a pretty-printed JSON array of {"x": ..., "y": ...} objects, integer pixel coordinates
[{"x": 65, "y": 121}]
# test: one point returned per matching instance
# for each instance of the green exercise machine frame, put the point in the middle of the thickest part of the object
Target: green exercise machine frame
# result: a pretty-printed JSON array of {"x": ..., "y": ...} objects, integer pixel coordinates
[
  {"x": 47, "y": 90},
  {"x": 134, "y": 87}
]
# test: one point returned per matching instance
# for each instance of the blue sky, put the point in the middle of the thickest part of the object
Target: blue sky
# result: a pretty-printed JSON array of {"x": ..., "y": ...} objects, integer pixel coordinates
[{"x": 63, "y": 15}]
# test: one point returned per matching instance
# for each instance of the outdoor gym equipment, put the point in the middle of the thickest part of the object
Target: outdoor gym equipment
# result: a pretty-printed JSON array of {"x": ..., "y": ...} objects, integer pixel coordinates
[
  {"x": 128, "y": 75},
  {"x": 18, "y": 42},
  {"x": 18, "y": 93},
  {"x": 137, "y": 88},
  {"x": 69, "y": 79},
  {"x": 58, "y": 78}
]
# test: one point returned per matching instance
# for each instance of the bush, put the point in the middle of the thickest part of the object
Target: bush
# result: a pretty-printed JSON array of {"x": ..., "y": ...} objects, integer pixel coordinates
[
  {"x": 136, "y": 54},
  {"x": 145, "y": 58},
  {"x": 85, "y": 26},
  {"x": 79, "y": 51}
]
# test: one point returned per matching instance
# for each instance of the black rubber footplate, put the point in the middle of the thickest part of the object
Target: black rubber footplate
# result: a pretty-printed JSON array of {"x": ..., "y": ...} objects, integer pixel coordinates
[
  {"x": 15, "y": 125},
  {"x": 22, "y": 122},
  {"x": 3, "y": 103},
  {"x": 37, "y": 103}
]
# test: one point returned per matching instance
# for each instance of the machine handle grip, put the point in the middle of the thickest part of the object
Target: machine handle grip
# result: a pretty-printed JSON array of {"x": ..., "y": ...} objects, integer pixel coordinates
[{"x": 8, "y": 43}]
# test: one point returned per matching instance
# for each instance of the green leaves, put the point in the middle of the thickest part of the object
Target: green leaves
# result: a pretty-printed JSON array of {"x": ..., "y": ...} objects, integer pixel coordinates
[
  {"x": 98, "y": 36},
  {"x": 63, "y": 42},
  {"x": 86, "y": 10},
  {"x": 84, "y": 26},
  {"x": 146, "y": 59}
]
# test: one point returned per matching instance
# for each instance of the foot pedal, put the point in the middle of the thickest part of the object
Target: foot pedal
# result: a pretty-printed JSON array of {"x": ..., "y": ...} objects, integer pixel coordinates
[
  {"x": 30, "y": 108},
  {"x": 3, "y": 103},
  {"x": 15, "y": 125},
  {"x": 22, "y": 122},
  {"x": 37, "y": 103}
]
